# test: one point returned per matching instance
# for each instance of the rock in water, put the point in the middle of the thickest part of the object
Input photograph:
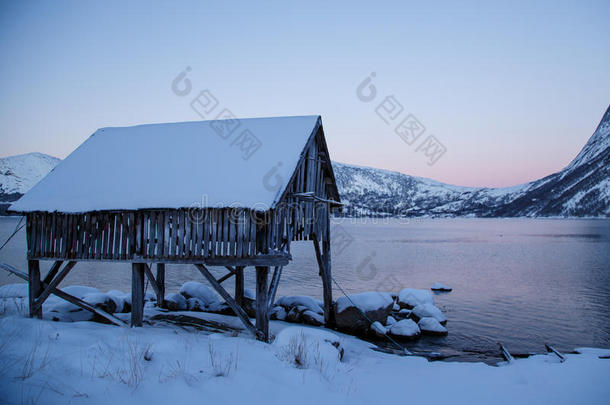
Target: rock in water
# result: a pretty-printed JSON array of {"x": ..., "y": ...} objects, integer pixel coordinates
[
  {"x": 429, "y": 310},
  {"x": 431, "y": 326},
  {"x": 376, "y": 306},
  {"x": 405, "y": 329},
  {"x": 440, "y": 287},
  {"x": 411, "y": 297}
]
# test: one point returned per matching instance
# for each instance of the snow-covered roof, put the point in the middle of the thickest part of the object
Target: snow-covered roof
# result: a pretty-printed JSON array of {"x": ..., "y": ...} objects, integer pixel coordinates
[{"x": 177, "y": 165}]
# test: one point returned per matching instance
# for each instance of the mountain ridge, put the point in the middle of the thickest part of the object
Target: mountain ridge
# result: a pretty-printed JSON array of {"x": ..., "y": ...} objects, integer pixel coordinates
[{"x": 581, "y": 189}]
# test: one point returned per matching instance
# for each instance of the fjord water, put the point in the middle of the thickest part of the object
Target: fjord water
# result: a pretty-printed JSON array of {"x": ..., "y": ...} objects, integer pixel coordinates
[{"x": 522, "y": 282}]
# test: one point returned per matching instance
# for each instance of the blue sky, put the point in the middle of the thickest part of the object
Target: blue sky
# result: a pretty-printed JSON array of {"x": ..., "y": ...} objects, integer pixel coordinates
[{"x": 512, "y": 89}]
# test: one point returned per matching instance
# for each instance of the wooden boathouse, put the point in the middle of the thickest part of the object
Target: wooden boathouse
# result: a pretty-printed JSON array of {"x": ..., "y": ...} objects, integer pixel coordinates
[{"x": 230, "y": 193}]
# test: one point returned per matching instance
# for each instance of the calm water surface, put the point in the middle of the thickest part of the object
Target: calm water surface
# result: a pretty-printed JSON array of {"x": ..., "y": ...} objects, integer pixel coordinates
[{"x": 522, "y": 282}]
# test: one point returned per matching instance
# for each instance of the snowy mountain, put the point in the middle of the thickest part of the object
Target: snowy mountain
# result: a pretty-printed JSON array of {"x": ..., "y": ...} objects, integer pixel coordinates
[
  {"x": 19, "y": 173},
  {"x": 581, "y": 189}
]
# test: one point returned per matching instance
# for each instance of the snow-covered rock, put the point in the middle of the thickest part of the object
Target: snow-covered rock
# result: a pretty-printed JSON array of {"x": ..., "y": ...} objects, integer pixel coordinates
[
  {"x": 390, "y": 321},
  {"x": 310, "y": 303},
  {"x": 204, "y": 294},
  {"x": 378, "y": 329},
  {"x": 411, "y": 297},
  {"x": 403, "y": 313},
  {"x": 103, "y": 301},
  {"x": 120, "y": 300},
  {"x": 376, "y": 306},
  {"x": 440, "y": 287},
  {"x": 195, "y": 304},
  {"x": 431, "y": 326},
  {"x": 312, "y": 318},
  {"x": 175, "y": 302},
  {"x": 277, "y": 313},
  {"x": 429, "y": 310},
  {"x": 404, "y": 329}
]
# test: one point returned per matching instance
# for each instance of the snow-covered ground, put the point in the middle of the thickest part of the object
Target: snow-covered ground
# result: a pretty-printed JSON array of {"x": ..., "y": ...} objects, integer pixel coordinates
[{"x": 49, "y": 362}]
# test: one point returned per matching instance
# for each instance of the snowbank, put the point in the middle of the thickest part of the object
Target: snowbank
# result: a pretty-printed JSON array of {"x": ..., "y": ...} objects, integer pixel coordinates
[
  {"x": 91, "y": 363},
  {"x": 19, "y": 290}
]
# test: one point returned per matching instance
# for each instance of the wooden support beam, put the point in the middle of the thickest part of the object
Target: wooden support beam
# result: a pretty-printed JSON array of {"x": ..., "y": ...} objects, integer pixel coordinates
[
  {"x": 52, "y": 271},
  {"x": 151, "y": 278},
  {"x": 226, "y": 277},
  {"x": 329, "y": 313},
  {"x": 76, "y": 301},
  {"x": 137, "y": 293},
  {"x": 236, "y": 308},
  {"x": 323, "y": 258},
  {"x": 161, "y": 284},
  {"x": 262, "y": 303},
  {"x": 34, "y": 288},
  {"x": 54, "y": 283},
  {"x": 275, "y": 281},
  {"x": 261, "y": 260},
  {"x": 239, "y": 285}
]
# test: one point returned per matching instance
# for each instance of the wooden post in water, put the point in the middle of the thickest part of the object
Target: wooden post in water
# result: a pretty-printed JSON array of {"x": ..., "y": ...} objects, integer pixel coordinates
[
  {"x": 262, "y": 307},
  {"x": 34, "y": 288},
  {"x": 161, "y": 285},
  {"x": 137, "y": 294}
]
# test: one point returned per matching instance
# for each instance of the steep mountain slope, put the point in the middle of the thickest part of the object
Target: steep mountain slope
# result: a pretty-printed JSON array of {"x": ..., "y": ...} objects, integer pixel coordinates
[
  {"x": 19, "y": 173},
  {"x": 580, "y": 189}
]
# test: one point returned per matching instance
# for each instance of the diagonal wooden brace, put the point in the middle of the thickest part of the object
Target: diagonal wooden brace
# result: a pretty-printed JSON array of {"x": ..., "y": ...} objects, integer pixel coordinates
[{"x": 236, "y": 308}]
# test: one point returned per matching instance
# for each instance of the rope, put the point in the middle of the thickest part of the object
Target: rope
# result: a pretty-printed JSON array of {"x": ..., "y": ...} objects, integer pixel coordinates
[
  {"x": 367, "y": 318},
  {"x": 17, "y": 229}
]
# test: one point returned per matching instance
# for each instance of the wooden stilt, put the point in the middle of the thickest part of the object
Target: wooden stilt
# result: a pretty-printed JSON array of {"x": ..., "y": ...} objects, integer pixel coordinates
[
  {"x": 137, "y": 293},
  {"x": 34, "y": 288},
  {"x": 70, "y": 298},
  {"x": 262, "y": 305},
  {"x": 324, "y": 265},
  {"x": 239, "y": 286},
  {"x": 329, "y": 314},
  {"x": 224, "y": 294},
  {"x": 275, "y": 281},
  {"x": 161, "y": 284}
]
